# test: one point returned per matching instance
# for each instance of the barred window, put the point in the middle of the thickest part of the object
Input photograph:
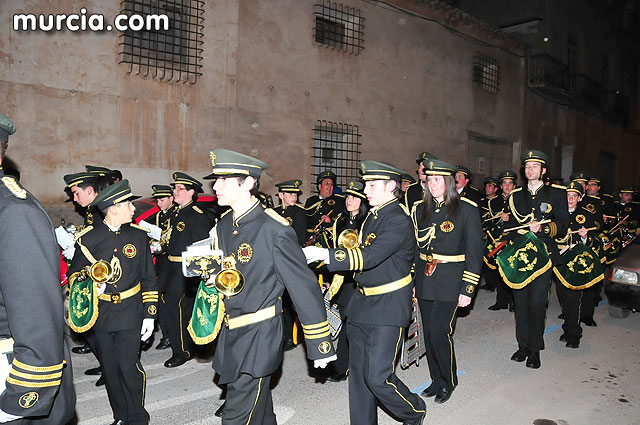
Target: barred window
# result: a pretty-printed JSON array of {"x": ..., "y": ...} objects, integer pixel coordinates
[
  {"x": 338, "y": 26},
  {"x": 486, "y": 73},
  {"x": 336, "y": 147},
  {"x": 171, "y": 55}
]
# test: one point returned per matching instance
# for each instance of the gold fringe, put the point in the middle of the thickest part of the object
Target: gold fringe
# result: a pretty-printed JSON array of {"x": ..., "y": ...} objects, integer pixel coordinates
[
  {"x": 577, "y": 288},
  {"x": 216, "y": 330},
  {"x": 527, "y": 280}
]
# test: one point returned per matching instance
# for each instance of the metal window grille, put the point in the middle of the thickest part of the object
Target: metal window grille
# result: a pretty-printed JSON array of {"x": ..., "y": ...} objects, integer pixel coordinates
[
  {"x": 336, "y": 147},
  {"x": 172, "y": 55},
  {"x": 338, "y": 26},
  {"x": 486, "y": 73}
]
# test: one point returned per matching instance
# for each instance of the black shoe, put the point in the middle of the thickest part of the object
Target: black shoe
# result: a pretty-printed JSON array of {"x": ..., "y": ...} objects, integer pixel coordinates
[
  {"x": 561, "y": 316},
  {"x": 564, "y": 337},
  {"x": 287, "y": 344},
  {"x": 512, "y": 308},
  {"x": 443, "y": 395},
  {"x": 589, "y": 321},
  {"x": 430, "y": 391},
  {"x": 497, "y": 307},
  {"x": 83, "y": 349},
  {"x": 177, "y": 360},
  {"x": 533, "y": 361},
  {"x": 94, "y": 371},
  {"x": 520, "y": 355},
  {"x": 220, "y": 409},
  {"x": 573, "y": 343},
  {"x": 119, "y": 422},
  {"x": 338, "y": 377},
  {"x": 145, "y": 345},
  {"x": 164, "y": 344},
  {"x": 100, "y": 382}
]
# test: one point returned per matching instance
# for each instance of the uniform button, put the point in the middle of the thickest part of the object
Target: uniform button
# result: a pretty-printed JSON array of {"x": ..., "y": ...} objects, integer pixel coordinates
[
  {"x": 115, "y": 249},
  {"x": 235, "y": 232},
  {"x": 438, "y": 210}
]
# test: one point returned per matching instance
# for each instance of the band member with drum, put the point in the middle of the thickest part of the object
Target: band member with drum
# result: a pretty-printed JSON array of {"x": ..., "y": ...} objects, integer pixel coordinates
[
  {"x": 449, "y": 237},
  {"x": 571, "y": 292},
  {"x": 127, "y": 302},
  {"x": 264, "y": 253},
  {"x": 499, "y": 215},
  {"x": 347, "y": 226},
  {"x": 381, "y": 307},
  {"x": 541, "y": 210}
]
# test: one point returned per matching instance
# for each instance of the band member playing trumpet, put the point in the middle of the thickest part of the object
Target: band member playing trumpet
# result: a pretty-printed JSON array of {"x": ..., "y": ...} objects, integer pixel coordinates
[
  {"x": 528, "y": 207},
  {"x": 345, "y": 232},
  {"x": 323, "y": 208},
  {"x": 128, "y": 303},
  {"x": 381, "y": 307},
  {"x": 267, "y": 254},
  {"x": 448, "y": 265}
]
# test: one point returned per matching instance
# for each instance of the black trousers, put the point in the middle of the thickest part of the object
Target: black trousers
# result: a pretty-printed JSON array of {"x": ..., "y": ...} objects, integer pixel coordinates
[
  {"x": 341, "y": 365},
  {"x": 163, "y": 317},
  {"x": 124, "y": 376},
  {"x": 288, "y": 316},
  {"x": 373, "y": 352},
  {"x": 530, "y": 305},
  {"x": 438, "y": 322},
  {"x": 249, "y": 402},
  {"x": 178, "y": 302},
  {"x": 504, "y": 296},
  {"x": 590, "y": 300},
  {"x": 570, "y": 302}
]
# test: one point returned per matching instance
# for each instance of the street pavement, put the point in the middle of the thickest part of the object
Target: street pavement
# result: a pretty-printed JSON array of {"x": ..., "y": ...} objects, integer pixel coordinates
[{"x": 597, "y": 383}]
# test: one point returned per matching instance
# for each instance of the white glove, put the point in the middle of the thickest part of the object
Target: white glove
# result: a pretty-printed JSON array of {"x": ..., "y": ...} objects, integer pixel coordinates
[
  {"x": 315, "y": 253},
  {"x": 100, "y": 288},
  {"x": 148, "y": 326},
  {"x": 322, "y": 363},
  {"x": 68, "y": 253},
  {"x": 5, "y": 368},
  {"x": 7, "y": 417}
]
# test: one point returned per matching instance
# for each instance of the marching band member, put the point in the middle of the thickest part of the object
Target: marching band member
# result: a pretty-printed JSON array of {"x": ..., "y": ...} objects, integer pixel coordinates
[{"x": 449, "y": 237}]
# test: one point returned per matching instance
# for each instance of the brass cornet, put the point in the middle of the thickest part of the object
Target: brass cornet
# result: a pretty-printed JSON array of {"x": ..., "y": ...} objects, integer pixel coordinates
[
  {"x": 348, "y": 239},
  {"x": 100, "y": 271},
  {"x": 229, "y": 281}
]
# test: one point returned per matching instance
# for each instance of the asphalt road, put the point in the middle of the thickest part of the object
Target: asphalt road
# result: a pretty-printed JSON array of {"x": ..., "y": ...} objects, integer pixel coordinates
[{"x": 597, "y": 383}]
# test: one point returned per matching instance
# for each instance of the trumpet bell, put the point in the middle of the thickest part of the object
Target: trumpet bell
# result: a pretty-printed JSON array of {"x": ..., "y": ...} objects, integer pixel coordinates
[
  {"x": 229, "y": 282},
  {"x": 348, "y": 239},
  {"x": 101, "y": 271}
]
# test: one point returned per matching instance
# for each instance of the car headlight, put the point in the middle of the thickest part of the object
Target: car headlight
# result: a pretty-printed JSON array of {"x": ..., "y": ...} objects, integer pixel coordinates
[{"x": 624, "y": 276}]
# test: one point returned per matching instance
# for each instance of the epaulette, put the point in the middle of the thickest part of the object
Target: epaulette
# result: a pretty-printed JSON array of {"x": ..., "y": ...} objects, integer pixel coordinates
[
  {"x": 593, "y": 196},
  {"x": 517, "y": 189},
  {"x": 340, "y": 195},
  {"x": 277, "y": 217},
  {"x": 226, "y": 212},
  {"x": 471, "y": 187},
  {"x": 82, "y": 232},
  {"x": 310, "y": 207},
  {"x": 14, "y": 187},
  {"x": 137, "y": 226},
  {"x": 607, "y": 195},
  {"x": 197, "y": 209},
  {"x": 469, "y": 201},
  {"x": 592, "y": 212},
  {"x": 405, "y": 209},
  {"x": 557, "y": 186},
  {"x": 299, "y": 205}
]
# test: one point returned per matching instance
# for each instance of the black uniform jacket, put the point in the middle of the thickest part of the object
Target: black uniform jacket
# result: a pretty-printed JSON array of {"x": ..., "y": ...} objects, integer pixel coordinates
[
  {"x": 297, "y": 219},
  {"x": 472, "y": 194},
  {"x": 188, "y": 224},
  {"x": 162, "y": 219},
  {"x": 316, "y": 208},
  {"x": 631, "y": 209},
  {"x": 495, "y": 206},
  {"x": 130, "y": 245},
  {"x": 31, "y": 305},
  {"x": 414, "y": 193},
  {"x": 578, "y": 218},
  {"x": 268, "y": 255},
  {"x": 441, "y": 236},
  {"x": 385, "y": 255},
  {"x": 523, "y": 202},
  {"x": 343, "y": 222},
  {"x": 595, "y": 206}
]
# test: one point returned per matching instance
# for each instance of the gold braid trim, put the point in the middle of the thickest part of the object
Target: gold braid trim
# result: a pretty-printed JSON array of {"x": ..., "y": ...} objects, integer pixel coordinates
[
  {"x": 577, "y": 288},
  {"x": 30, "y": 368},
  {"x": 209, "y": 338},
  {"x": 528, "y": 280}
]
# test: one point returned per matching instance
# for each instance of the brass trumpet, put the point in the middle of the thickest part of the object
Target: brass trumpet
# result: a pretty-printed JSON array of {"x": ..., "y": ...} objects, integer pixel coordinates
[
  {"x": 229, "y": 281},
  {"x": 100, "y": 271},
  {"x": 348, "y": 239}
]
